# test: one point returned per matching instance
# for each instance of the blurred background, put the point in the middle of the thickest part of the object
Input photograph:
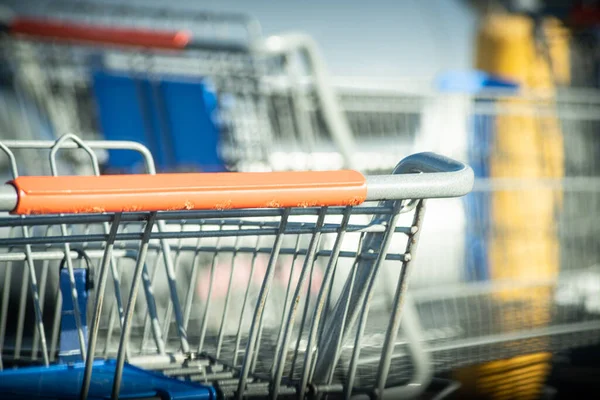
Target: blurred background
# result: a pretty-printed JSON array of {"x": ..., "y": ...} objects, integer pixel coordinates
[{"x": 507, "y": 282}]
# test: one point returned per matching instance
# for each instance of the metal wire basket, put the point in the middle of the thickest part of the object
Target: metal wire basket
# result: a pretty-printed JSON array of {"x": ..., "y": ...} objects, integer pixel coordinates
[{"x": 241, "y": 291}]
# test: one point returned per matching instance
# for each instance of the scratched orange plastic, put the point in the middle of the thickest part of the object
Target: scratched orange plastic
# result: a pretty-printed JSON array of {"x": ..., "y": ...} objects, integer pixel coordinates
[
  {"x": 187, "y": 191},
  {"x": 70, "y": 32}
]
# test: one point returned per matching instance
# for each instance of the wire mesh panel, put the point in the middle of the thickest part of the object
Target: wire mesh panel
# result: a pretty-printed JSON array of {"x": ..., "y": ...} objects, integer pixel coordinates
[{"x": 257, "y": 284}]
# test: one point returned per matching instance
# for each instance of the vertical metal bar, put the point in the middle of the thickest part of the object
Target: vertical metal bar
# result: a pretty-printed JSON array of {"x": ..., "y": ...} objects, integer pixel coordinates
[
  {"x": 302, "y": 327},
  {"x": 170, "y": 305},
  {"x": 394, "y": 324},
  {"x": 172, "y": 280},
  {"x": 32, "y": 278},
  {"x": 150, "y": 316},
  {"x": 421, "y": 359},
  {"x": 282, "y": 345},
  {"x": 303, "y": 321},
  {"x": 100, "y": 292},
  {"x": 117, "y": 305},
  {"x": 257, "y": 341},
  {"x": 36, "y": 299},
  {"x": 189, "y": 298},
  {"x": 366, "y": 297},
  {"x": 21, "y": 313},
  {"x": 169, "y": 310},
  {"x": 152, "y": 313},
  {"x": 228, "y": 295},
  {"x": 4, "y": 306},
  {"x": 42, "y": 286},
  {"x": 308, "y": 356},
  {"x": 209, "y": 296},
  {"x": 109, "y": 330},
  {"x": 286, "y": 303},
  {"x": 63, "y": 228},
  {"x": 56, "y": 323},
  {"x": 256, "y": 325},
  {"x": 124, "y": 339},
  {"x": 325, "y": 312},
  {"x": 116, "y": 279},
  {"x": 238, "y": 336},
  {"x": 339, "y": 343}
]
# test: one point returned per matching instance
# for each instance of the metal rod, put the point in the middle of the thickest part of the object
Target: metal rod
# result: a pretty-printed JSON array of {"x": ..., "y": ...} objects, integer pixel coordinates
[
  {"x": 316, "y": 320},
  {"x": 95, "y": 325},
  {"x": 232, "y": 266},
  {"x": 255, "y": 327},
  {"x": 282, "y": 347},
  {"x": 366, "y": 282},
  {"x": 130, "y": 307},
  {"x": 397, "y": 307}
]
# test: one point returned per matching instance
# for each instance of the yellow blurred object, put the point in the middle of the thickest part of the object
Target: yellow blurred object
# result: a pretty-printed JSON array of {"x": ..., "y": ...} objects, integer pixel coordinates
[
  {"x": 528, "y": 143},
  {"x": 516, "y": 378},
  {"x": 506, "y": 47}
]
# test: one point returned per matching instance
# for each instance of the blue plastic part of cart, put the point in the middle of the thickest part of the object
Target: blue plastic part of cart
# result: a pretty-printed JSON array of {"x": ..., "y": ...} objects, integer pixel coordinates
[
  {"x": 480, "y": 141},
  {"x": 175, "y": 117},
  {"x": 472, "y": 82},
  {"x": 64, "y": 382},
  {"x": 70, "y": 351}
]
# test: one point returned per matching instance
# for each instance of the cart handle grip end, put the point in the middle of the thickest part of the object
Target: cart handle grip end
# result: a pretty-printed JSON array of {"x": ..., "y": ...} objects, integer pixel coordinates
[
  {"x": 8, "y": 197},
  {"x": 420, "y": 176}
]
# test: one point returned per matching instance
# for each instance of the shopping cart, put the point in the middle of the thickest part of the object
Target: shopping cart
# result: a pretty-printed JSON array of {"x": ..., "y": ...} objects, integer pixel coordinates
[
  {"x": 181, "y": 80},
  {"x": 247, "y": 248},
  {"x": 519, "y": 275}
]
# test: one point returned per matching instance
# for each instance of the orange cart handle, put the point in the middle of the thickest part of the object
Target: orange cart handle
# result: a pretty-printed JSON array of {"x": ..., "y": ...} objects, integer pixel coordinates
[
  {"x": 75, "y": 32},
  {"x": 187, "y": 191}
]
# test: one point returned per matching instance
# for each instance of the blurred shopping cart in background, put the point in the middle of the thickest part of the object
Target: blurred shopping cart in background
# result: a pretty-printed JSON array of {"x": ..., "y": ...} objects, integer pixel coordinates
[
  {"x": 259, "y": 102},
  {"x": 203, "y": 89}
]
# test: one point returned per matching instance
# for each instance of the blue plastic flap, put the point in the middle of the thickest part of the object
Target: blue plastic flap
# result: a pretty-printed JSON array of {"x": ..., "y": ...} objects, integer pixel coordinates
[
  {"x": 70, "y": 350},
  {"x": 175, "y": 117},
  {"x": 472, "y": 82},
  {"x": 64, "y": 382}
]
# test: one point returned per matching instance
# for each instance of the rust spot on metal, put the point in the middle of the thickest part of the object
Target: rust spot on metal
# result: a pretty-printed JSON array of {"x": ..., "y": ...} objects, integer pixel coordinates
[
  {"x": 306, "y": 204},
  {"x": 188, "y": 205},
  {"x": 355, "y": 201},
  {"x": 223, "y": 206},
  {"x": 85, "y": 210},
  {"x": 273, "y": 204}
]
